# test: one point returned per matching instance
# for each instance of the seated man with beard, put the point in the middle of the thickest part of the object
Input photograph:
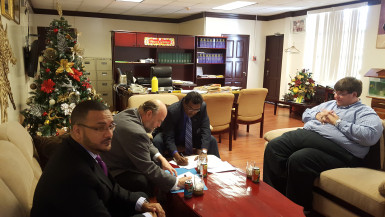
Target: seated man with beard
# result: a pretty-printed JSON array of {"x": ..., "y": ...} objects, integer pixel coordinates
[{"x": 133, "y": 160}]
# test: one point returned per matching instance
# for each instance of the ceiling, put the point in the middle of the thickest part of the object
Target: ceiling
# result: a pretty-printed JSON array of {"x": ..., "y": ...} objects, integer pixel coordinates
[{"x": 176, "y": 9}]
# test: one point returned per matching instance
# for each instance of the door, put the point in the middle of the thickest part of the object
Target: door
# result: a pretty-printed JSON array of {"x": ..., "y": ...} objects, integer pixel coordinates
[
  {"x": 237, "y": 60},
  {"x": 273, "y": 65}
]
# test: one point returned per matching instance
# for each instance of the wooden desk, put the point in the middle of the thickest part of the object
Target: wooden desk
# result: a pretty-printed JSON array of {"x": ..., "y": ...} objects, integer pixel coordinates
[
  {"x": 291, "y": 104},
  {"x": 230, "y": 194}
]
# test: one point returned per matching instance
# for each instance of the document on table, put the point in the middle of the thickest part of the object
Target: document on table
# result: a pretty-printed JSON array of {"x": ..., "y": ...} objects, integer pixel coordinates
[{"x": 214, "y": 164}]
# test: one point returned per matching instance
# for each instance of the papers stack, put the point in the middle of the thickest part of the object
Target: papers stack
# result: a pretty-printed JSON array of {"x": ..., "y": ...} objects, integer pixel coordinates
[{"x": 214, "y": 164}]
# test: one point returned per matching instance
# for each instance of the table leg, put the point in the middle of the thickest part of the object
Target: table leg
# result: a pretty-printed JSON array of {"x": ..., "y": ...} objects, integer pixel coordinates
[{"x": 275, "y": 107}]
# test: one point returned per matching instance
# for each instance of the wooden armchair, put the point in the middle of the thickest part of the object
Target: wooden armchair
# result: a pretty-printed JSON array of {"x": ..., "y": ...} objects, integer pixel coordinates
[
  {"x": 250, "y": 108},
  {"x": 219, "y": 109}
]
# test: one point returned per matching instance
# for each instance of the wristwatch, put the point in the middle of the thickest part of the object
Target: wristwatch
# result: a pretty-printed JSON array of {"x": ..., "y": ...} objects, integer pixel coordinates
[
  {"x": 204, "y": 151},
  {"x": 337, "y": 122}
]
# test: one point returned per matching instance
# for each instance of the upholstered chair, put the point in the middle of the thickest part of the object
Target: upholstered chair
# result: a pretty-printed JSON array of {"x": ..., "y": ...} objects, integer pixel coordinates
[
  {"x": 219, "y": 110},
  {"x": 250, "y": 108}
]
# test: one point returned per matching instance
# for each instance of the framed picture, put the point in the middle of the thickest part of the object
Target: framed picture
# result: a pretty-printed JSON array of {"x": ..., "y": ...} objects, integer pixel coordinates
[
  {"x": 16, "y": 11},
  {"x": 7, "y": 9},
  {"x": 298, "y": 25},
  {"x": 381, "y": 28}
]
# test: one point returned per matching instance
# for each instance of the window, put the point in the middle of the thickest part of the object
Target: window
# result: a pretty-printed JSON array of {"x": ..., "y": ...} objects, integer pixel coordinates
[{"x": 334, "y": 43}]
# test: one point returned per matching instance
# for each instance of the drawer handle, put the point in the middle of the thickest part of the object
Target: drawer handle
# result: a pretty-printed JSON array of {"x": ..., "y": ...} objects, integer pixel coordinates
[
  {"x": 104, "y": 84},
  {"x": 104, "y": 73}
]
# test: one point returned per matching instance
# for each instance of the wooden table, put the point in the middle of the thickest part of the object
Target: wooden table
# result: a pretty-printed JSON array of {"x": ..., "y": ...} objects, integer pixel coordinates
[
  {"x": 230, "y": 194},
  {"x": 291, "y": 104}
]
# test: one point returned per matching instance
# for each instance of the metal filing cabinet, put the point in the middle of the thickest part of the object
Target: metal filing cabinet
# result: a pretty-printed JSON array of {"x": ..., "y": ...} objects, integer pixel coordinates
[{"x": 99, "y": 71}]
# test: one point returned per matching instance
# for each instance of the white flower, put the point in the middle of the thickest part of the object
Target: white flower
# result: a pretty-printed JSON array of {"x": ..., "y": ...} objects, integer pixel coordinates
[
  {"x": 307, "y": 83},
  {"x": 67, "y": 109}
]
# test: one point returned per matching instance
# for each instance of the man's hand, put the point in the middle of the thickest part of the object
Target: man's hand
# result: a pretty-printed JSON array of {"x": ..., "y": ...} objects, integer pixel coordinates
[
  {"x": 182, "y": 180},
  {"x": 167, "y": 166},
  {"x": 332, "y": 118},
  {"x": 322, "y": 116},
  {"x": 182, "y": 161},
  {"x": 155, "y": 209}
]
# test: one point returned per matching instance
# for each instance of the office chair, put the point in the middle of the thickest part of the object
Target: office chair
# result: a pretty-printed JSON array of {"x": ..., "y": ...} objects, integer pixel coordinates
[{"x": 163, "y": 74}]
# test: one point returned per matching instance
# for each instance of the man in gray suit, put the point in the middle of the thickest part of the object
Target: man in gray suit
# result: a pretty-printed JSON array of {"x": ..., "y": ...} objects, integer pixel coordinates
[{"x": 133, "y": 160}]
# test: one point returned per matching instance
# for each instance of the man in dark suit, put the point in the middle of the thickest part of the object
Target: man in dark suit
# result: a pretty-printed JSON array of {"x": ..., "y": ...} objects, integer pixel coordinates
[
  {"x": 75, "y": 181},
  {"x": 172, "y": 132}
]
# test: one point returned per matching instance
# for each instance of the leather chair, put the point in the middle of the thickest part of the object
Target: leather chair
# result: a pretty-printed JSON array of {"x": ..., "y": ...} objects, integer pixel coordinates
[
  {"x": 219, "y": 110},
  {"x": 250, "y": 108},
  {"x": 163, "y": 74}
]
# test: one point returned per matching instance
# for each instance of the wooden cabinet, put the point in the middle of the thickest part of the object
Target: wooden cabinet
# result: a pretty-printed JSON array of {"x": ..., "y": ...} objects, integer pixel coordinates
[
  {"x": 378, "y": 104},
  {"x": 210, "y": 54}
]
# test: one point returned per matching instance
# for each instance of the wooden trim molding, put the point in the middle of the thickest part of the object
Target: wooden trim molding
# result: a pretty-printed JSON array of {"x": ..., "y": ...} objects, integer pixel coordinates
[{"x": 195, "y": 16}]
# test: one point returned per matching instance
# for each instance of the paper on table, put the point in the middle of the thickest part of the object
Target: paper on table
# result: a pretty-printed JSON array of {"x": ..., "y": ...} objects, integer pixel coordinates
[{"x": 214, "y": 164}]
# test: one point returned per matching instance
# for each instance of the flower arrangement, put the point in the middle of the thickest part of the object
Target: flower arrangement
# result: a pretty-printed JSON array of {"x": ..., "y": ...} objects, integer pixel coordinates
[{"x": 302, "y": 85}]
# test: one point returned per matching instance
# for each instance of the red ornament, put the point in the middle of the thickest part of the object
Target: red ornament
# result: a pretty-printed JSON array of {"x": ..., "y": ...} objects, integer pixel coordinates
[
  {"x": 75, "y": 42},
  {"x": 55, "y": 30},
  {"x": 87, "y": 85},
  {"x": 47, "y": 86},
  {"x": 45, "y": 114},
  {"x": 47, "y": 70},
  {"x": 57, "y": 133}
]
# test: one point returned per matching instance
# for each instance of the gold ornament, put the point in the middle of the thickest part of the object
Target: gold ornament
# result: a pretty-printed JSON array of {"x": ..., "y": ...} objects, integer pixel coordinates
[
  {"x": 76, "y": 50},
  {"x": 46, "y": 122},
  {"x": 52, "y": 117},
  {"x": 65, "y": 66},
  {"x": 58, "y": 8},
  {"x": 6, "y": 56},
  {"x": 62, "y": 98},
  {"x": 50, "y": 54}
]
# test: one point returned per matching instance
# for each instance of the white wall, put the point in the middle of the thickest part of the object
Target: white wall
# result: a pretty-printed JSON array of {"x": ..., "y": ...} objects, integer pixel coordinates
[
  {"x": 16, "y": 76},
  {"x": 193, "y": 27},
  {"x": 373, "y": 58},
  {"x": 95, "y": 33}
]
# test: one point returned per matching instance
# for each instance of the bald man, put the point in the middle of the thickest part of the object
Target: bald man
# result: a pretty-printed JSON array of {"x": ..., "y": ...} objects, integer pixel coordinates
[{"x": 133, "y": 160}]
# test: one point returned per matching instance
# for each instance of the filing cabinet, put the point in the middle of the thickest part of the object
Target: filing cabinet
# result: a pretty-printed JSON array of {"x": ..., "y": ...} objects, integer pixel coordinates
[{"x": 99, "y": 71}]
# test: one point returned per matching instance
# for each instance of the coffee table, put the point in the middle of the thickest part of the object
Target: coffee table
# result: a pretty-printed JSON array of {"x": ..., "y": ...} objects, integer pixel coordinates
[{"x": 230, "y": 194}]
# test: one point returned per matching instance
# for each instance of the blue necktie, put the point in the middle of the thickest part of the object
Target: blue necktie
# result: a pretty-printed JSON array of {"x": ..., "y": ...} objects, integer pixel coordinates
[
  {"x": 188, "y": 137},
  {"x": 102, "y": 164}
]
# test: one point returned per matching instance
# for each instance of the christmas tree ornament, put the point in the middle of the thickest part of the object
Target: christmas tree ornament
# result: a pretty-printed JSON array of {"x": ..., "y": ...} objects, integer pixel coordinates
[
  {"x": 50, "y": 54},
  {"x": 61, "y": 43},
  {"x": 65, "y": 66},
  {"x": 46, "y": 122},
  {"x": 52, "y": 102},
  {"x": 33, "y": 86}
]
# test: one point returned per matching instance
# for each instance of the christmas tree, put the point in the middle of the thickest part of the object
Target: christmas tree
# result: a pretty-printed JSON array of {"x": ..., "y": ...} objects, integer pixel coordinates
[{"x": 60, "y": 85}]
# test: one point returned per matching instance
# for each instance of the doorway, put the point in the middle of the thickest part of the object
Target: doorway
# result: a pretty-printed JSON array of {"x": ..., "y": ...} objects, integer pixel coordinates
[
  {"x": 237, "y": 60},
  {"x": 273, "y": 66}
]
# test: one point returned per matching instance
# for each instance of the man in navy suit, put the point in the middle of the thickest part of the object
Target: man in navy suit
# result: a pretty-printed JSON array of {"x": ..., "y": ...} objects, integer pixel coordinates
[
  {"x": 74, "y": 183},
  {"x": 172, "y": 131}
]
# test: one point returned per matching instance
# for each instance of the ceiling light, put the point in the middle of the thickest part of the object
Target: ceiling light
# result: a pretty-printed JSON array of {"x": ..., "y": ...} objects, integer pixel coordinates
[
  {"x": 234, "y": 5},
  {"x": 129, "y": 0}
]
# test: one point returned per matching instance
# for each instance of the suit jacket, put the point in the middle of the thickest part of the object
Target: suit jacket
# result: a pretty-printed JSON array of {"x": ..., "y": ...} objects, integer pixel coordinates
[
  {"x": 133, "y": 151},
  {"x": 173, "y": 125},
  {"x": 73, "y": 184}
]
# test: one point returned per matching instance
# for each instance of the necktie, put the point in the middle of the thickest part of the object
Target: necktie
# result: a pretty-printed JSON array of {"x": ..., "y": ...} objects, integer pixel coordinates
[
  {"x": 188, "y": 137},
  {"x": 102, "y": 164}
]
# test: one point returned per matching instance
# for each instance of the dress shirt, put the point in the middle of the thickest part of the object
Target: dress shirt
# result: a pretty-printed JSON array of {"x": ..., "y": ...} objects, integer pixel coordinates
[{"x": 360, "y": 126}]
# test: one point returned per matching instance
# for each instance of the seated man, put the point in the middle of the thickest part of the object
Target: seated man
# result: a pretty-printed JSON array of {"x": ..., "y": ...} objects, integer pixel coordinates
[
  {"x": 337, "y": 133},
  {"x": 76, "y": 182},
  {"x": 187, "y": 125},
  {"x": 133, "y": 159}
]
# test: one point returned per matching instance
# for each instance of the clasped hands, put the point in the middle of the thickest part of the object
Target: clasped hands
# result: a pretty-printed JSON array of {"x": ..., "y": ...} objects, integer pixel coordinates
[
  {"x": 327, "y": 116},
  {"x": 155, "y": 209}
]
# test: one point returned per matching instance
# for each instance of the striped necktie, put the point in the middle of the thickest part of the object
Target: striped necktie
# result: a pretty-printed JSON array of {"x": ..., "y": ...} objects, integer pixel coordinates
[
  {"x": 188, "y": 137},
  {"x": 102, "y": 164}
]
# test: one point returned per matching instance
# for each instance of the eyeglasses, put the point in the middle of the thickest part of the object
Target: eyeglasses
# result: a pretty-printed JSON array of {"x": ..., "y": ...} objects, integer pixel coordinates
[
  {"x": 192, "y": 109},
  {"x": 338, "y": 93},
  {"x": 100, "y": 129}
]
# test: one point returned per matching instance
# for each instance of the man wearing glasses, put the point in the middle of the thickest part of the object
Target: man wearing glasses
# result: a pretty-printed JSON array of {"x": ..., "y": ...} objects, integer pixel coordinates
[
  {"x": 175, "y": 130},
  {"x": 337, "y": 133},
  {"x": 76, "y": 182}
]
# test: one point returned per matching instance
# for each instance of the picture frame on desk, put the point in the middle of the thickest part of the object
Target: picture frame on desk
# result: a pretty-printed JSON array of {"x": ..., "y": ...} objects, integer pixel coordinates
[{"x": 7, "y": 9}]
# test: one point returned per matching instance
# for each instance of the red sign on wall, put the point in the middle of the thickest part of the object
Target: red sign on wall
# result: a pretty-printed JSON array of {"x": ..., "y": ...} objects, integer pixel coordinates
[{"x": 149, "y": 41}]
